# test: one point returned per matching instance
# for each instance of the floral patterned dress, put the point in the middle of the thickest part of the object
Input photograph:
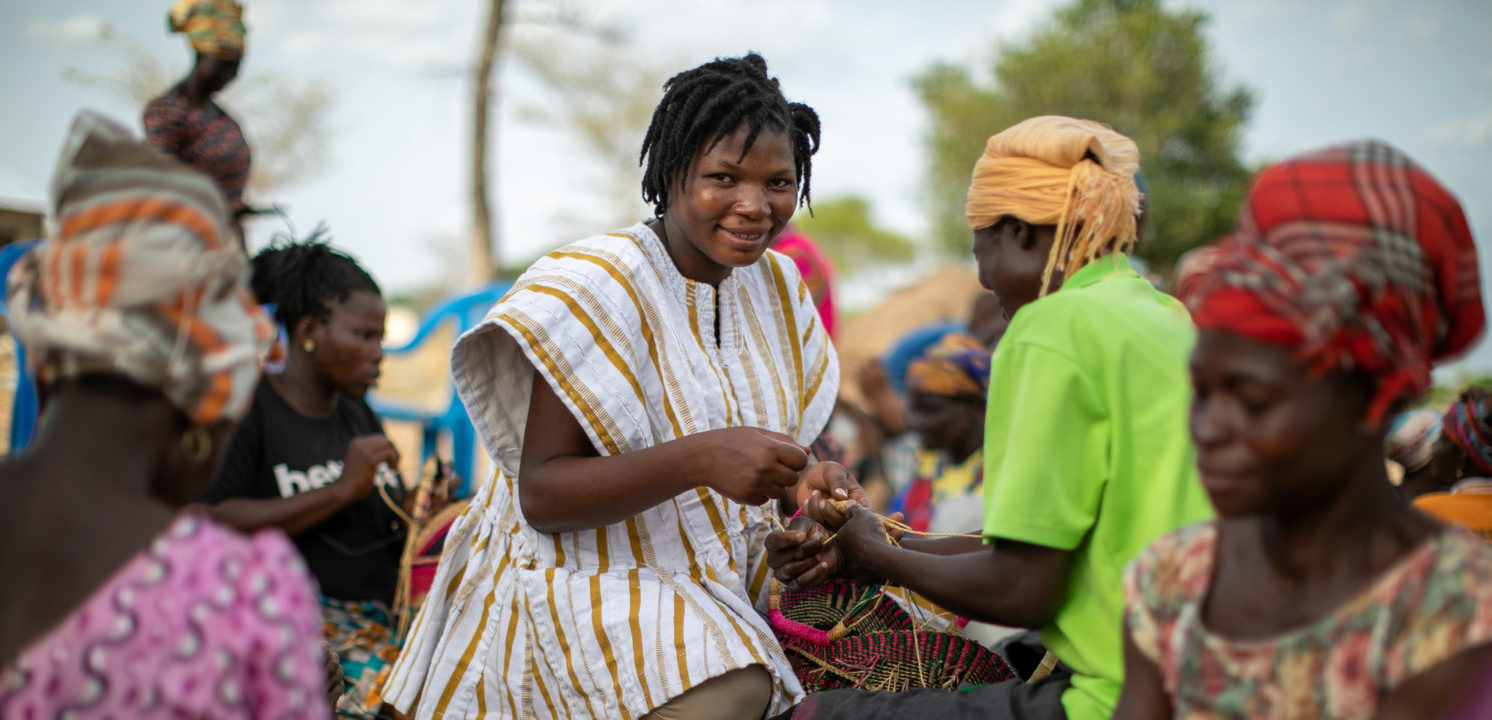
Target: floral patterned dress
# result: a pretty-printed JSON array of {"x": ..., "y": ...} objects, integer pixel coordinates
[{"x": 1431, "y": 604}]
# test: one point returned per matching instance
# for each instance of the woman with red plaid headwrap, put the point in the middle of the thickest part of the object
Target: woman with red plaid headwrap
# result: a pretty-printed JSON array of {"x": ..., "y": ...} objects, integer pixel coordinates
[{"x": 1317, "y": 590}]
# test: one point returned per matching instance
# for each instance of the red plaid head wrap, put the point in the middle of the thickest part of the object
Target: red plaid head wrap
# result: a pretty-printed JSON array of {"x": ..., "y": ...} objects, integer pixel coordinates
[{"x": 1356, "y": 256}]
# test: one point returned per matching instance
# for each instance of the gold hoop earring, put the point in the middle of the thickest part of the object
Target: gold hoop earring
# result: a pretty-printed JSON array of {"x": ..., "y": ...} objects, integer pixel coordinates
[
  {"x": 309, "y": 346},
  {"x": 196, "y": 444}
]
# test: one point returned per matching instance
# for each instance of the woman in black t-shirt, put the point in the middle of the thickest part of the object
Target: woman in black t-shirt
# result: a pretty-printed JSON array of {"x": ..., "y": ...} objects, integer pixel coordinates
[{"x": 310, "y": 454}]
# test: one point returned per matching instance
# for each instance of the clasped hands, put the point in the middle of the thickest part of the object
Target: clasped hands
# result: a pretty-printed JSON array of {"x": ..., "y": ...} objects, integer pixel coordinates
[{"x": 823, "y": 541}]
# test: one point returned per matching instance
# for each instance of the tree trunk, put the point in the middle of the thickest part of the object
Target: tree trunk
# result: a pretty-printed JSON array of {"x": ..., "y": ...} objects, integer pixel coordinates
[{"x": 483, "y": 267}]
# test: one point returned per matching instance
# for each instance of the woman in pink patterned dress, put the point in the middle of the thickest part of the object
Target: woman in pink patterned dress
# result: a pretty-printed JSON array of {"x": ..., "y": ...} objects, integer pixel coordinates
[
  {"x": 1318, "y": 591},
  {"x": 146, "y": 343}
]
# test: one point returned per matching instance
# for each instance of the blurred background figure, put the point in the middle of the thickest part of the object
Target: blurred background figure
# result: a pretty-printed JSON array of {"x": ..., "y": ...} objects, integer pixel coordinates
[
  {"x": 311, "y": 458},
  {"x": 185, "y": 122},
  {"x": 888, "y": 454},
  {"x": 1454, "y": 464},
  {"x": 946, "y": 393},
  {"x": 146, "y": 342}
]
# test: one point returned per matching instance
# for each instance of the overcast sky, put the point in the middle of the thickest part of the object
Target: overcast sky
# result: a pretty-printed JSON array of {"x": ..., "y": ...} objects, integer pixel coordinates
[{"x": 1418, "y": 75}]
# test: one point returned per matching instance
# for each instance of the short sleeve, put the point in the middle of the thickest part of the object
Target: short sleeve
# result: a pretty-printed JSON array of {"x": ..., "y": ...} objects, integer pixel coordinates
[
  {"x": 243, "y": 464},
  {"x": 284, "y": 670},
  {"x": 1138, "y": 619},
  {"x": 1046, "y": 448}
]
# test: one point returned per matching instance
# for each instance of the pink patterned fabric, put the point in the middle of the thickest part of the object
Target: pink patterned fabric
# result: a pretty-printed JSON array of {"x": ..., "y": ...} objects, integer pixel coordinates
[{"x": 204, "y": 623}]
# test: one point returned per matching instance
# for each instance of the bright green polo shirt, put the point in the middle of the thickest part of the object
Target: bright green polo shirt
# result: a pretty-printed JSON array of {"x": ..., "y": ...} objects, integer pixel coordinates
[{"x": 1086, "y": 449}]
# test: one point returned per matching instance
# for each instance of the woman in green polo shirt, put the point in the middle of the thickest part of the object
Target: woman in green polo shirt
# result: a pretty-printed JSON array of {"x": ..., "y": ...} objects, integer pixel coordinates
[{"x": 1086, "y": 454}]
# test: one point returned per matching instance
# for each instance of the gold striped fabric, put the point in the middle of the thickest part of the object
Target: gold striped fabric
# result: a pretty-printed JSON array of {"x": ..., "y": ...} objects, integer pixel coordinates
[{"x": 613, "y": 622}]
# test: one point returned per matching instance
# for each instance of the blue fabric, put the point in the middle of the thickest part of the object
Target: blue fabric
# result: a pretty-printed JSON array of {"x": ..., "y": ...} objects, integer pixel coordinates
[{"x": 911, "y": 346}]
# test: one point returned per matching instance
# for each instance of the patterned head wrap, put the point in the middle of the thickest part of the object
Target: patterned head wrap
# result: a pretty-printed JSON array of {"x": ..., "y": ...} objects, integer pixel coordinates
[
  {"x": 1055, "y": 170},
  {"x": 1466, "y": 426},
  {"x": 1357, "y": 257},
  {"x": 214, "y": 27},
  {"x": 143, "y": 278},
  {"x": 956, "y": 367},
  {"x": 1411, "y": 441}
]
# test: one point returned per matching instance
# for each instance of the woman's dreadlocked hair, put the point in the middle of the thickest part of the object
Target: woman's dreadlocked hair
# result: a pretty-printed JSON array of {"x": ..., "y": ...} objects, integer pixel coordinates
[
  {"x": 302, "y": 278},
  {"x": 703, "y": 105}
]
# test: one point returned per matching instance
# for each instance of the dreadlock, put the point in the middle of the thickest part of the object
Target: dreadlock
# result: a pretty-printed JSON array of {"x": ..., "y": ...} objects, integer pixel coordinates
[
  {"x": 303, "y": 278},
  {"x": 703, "y": 105}
]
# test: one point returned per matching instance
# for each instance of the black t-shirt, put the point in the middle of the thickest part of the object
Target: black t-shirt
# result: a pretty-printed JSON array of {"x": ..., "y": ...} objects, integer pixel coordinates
[{"x": 277, "y": 453}]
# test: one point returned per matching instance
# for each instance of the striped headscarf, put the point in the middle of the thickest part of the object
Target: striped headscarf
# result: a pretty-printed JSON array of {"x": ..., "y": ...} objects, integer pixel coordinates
[
  {"x": 1466, "y": 426},
  {"x": 214, "y": 27},
  {"x": 956, "y": 367},
  {"x": 143, "y": 278},
  {"x": 1358, "y": 258},
  {"x": 1052, "y": 170}
]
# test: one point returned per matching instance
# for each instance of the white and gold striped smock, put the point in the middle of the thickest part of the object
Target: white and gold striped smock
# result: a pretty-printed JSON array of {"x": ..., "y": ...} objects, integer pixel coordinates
[{"x": 613, "y": 622}]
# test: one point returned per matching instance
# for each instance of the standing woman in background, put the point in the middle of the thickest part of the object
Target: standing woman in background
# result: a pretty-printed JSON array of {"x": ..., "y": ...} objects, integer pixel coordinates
[{"x": 185, "y": 122}]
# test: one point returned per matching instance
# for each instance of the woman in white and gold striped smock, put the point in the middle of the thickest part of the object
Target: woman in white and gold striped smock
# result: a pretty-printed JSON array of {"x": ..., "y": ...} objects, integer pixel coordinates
[{"x": 644, "y": 393}]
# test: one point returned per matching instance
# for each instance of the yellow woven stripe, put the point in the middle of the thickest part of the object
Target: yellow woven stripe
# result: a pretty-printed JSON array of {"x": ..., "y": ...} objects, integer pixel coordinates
[
  {"x": 730, "y": 617},
  {"x": 597, "y": 337},
  {"x": 692, "y": 301},
  {"x": 634, "y": 597},
  {"x": 813, "y": 385},
  {"x": 471, "y": 646},
  {"x": 554, "y": 619},
  {"x": 596, "y": 616},
  {"x": 563, "y": 379},
  {"x": 764, "y": 351},
  {"x": 527, "y": 699},
  {"x": 538, "y": 675},
  {"x": 707, "y": 499},
  {"x": 678, "y": 632},
  {"x": 789, "y": 321},
  {"x": 649, "y": 318}
]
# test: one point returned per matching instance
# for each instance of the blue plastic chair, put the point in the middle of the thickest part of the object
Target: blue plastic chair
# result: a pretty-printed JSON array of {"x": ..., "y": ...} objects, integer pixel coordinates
[
  {"x": 464, "y": 311},
  {"x": 23, "y": 409}
]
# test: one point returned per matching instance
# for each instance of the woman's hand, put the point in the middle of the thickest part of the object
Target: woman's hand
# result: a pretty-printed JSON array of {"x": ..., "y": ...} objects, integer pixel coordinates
[
  {"x": 360, "y": 465},
  {"x": 824, "y": 483},
  {"x": 747, "y": 465},
  {"x": 861, "y": 530},
  {"x": 798, "y": 556}
]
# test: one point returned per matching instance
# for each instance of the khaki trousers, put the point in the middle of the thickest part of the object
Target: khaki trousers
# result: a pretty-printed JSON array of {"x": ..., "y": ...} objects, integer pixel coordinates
[{"x": 741, "y": 694}]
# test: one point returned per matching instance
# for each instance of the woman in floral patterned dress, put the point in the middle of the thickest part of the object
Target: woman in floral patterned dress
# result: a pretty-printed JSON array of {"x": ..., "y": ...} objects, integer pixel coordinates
[{"x": 1317, "y": 591}]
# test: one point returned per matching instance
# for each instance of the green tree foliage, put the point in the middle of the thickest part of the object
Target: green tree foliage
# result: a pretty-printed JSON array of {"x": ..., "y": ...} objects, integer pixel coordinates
[
  {"x": 843, "y": 229},
  {"x": 1133, "y": 64}
]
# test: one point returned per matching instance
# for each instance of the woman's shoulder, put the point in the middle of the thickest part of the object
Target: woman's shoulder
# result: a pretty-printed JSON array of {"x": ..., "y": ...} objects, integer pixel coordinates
[
  {"x": 1176, "y": 567},
  {"x": 1464, "y": 560},
  {"x": 194, "y": 537},
  {"x": 626, "y": 250}
]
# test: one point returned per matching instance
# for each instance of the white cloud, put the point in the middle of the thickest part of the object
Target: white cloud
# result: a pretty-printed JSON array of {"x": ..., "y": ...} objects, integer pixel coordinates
[
  {"x": 1470, "y": 131},
  {"x": 74, "y": 30}
]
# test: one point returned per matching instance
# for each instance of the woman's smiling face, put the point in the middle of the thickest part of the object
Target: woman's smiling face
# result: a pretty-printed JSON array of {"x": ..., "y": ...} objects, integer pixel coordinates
[{"x": 730, "y": 205}]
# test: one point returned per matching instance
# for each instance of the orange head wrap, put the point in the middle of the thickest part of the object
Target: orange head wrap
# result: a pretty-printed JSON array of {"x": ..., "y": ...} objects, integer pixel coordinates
[{"x": 1055, "y": 170}]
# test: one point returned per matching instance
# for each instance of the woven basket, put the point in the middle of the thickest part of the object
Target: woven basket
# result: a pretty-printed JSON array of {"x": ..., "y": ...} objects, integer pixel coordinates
[{"x": 843, "y": 634}]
